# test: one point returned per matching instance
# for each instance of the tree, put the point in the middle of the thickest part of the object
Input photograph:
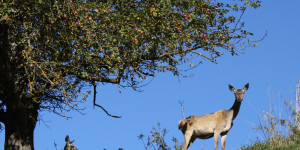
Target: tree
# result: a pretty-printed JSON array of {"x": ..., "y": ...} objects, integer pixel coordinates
[{"x": 50, "y": 50}]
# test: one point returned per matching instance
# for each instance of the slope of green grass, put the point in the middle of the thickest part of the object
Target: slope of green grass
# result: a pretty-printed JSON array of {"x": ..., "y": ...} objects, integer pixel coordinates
[
  {"x": 284, "y": 144},
  {"x": 278, "y": 129}
]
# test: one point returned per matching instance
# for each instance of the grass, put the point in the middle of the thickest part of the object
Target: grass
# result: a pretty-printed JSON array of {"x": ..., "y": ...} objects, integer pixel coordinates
[
  {"x": 278, "y": 144},
  {"x": 279, "y": 130}
]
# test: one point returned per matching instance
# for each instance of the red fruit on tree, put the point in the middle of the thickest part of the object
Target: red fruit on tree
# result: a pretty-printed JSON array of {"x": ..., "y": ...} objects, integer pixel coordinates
[
  {"x": 136, "y": 40},
  {"x": 203, "y": 36},
  {"x": 86, "y": 9}
]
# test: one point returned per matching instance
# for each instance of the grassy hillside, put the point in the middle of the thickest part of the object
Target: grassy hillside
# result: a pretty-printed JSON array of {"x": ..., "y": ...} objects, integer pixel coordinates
[
  {"x": 291, "y": 143},
  {"x": 279, "y": 130}
]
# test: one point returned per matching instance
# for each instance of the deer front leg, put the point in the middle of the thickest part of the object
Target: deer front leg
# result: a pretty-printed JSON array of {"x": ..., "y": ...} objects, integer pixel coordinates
[
  {"x": 216, "y": 138},
  {"x": 187, "y": 137},
  {"x": 223, "y": 140}
]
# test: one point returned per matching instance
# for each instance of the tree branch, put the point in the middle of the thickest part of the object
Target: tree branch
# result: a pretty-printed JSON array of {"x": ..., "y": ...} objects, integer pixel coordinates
[
  {"x": 3, "y": 116},
  {"x": 108, "y": 80},
  {"x": 94, "y": 102}
]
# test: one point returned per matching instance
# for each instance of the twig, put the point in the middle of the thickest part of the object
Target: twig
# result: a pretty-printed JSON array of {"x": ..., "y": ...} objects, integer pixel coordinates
[
  {"x": 182, "y": 108},
  {"x": 106, "y": 111},
  {"x": 94, "y": 102}
]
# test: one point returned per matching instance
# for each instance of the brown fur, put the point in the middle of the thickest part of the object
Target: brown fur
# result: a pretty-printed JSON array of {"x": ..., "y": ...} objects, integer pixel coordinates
[
  {"x": 212, "y": 125},
  {"x": 182, "y": 125}
]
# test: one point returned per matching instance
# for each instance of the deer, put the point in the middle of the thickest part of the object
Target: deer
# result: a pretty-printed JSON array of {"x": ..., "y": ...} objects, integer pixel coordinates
[
  {"x": 212, "y": 125},
  {"x": 69, "y": 144}
]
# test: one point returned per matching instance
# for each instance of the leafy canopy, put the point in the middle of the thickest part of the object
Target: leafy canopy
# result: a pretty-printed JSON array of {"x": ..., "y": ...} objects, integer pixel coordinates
[{"x": 59, "y": 47}]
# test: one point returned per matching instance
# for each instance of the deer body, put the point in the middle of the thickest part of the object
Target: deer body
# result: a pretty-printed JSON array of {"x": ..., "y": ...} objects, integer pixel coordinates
[{"x": 212, "y": 125}]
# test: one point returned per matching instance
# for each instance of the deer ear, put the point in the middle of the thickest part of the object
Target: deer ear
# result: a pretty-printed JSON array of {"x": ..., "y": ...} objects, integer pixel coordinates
[
  {"x": 246, "y": 87},
  {"x": 231, "y": 88},
  {"x": 67, "y": 138}
]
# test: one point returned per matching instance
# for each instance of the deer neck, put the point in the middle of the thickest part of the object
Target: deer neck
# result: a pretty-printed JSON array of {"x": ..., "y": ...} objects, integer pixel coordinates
[{"x": 235, "y": 109}]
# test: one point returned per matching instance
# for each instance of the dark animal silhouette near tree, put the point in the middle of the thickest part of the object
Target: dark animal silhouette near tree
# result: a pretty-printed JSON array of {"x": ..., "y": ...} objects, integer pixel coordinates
[
  {"x": 214, "y": 124},
  {"x": 69, "y": 144}
]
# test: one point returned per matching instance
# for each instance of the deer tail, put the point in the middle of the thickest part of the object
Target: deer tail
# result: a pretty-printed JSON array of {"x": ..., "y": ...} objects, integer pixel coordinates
[{"x": 182, "y": 123}]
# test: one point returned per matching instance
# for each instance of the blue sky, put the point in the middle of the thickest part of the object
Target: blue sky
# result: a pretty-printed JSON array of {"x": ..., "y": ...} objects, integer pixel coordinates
[{"x": 272, "y": 67}]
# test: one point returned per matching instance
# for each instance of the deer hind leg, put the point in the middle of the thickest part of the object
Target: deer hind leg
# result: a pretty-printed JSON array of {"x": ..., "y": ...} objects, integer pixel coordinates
[
  {"x": 191, "y": 141},
  {"x": 187, "y": 139},
  {"x": 223, "y": 140},
  {"x": 216, "y": 138}
]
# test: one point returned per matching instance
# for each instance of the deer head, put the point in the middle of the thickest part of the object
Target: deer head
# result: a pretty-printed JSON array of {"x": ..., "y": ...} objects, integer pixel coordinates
[
  {"x": 239, "y": 93},
  {"x": 69, "y": 144}
]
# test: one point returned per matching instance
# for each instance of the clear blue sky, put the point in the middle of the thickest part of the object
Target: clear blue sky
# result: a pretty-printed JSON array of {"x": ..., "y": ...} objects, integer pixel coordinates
[{"x": 274, "y": 63}]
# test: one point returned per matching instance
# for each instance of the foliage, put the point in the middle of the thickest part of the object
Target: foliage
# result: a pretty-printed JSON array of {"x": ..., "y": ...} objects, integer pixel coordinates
[
  {"x": 55, "y": 48},
  {"x": 156, "y": 140},
  {"x": 279, "y": 130}
]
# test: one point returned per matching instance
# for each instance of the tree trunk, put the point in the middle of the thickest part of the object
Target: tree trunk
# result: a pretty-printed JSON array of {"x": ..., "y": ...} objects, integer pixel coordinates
[
  {"x": 19, "y": 128},
  {"x": 20, "y": 112}
]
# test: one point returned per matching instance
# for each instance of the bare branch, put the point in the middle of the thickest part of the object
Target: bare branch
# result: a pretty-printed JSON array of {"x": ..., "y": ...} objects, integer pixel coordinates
[
  {"x": 211, "y": 59},
  {"x": 107, "y": 111},
  {"x": 182, "y": 108},
  {"x": 94, "y": 102}
]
